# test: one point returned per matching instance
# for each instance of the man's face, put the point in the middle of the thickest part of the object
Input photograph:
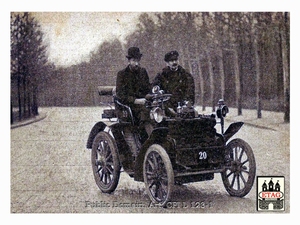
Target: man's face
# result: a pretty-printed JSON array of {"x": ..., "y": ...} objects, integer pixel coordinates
[
  {"x": 173, "y": 64},
  {"x": 134, "y": 64}
]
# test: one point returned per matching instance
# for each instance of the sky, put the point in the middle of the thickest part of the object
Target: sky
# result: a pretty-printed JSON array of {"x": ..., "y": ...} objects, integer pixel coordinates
[
  {"x": 71, "y": 36},
  {"x": 72, "y": 31}
]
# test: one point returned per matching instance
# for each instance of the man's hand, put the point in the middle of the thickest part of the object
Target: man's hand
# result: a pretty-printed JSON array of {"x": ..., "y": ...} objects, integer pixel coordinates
[{"x": 140, "y": 101}]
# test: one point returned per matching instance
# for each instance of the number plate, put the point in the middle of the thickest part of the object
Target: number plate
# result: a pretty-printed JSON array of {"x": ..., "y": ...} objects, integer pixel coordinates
[{"x": 202, "y": 155}]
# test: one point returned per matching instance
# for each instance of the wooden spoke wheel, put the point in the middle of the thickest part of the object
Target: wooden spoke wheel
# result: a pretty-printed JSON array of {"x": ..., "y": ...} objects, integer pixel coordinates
[
  {"x": 238, "y": 179},
  {"x": 105, "y": 162},
  {"x": 158, "y": 175}
]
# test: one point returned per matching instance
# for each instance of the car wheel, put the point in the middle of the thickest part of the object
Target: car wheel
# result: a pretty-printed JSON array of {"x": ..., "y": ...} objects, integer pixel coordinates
[
  {"x": 158, "y": 175},
  {"x": 105, "y": 162},
  {"x": 238, "y": 177}
]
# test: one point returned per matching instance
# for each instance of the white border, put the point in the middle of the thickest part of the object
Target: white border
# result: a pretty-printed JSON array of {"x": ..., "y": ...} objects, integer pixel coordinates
[{"x": 153, "y": 5}]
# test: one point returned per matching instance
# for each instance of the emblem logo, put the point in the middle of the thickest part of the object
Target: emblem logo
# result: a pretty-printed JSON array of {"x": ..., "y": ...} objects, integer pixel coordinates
[{"x": 270, "y": 193}]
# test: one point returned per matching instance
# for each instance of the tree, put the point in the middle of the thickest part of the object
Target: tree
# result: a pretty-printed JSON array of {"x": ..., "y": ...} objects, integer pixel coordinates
[
  {"x": 219, "y": 44},
  {"x": 285, "y": 49},
  {"x": 254, "y": 34},
  {"x": 207, "y": 43},
  {"x": 239, "y": 56},
  {"x": 234, "y": 26},
  {"x": 28, "y": 58}
]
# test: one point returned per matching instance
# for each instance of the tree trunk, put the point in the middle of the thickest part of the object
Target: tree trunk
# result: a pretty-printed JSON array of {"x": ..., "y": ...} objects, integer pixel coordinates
[
  {"x": 237, "y": 83},
  {"x": 201, "y": 81},
  {"x": 34, "y": 100},
  {"x": 211, "y": 80},
  {"x": 286, "y": 78},
  {"x": 219, "y": 43},
  {"x": 11, "y": 113},
  {"x": 222, "y": 74},
  {"x": 19, "y": 97},
  {"x": 29, "y": 94},
  {"x": 257, "y": 72},
  {"x": 24, "y": 98},
  {"x": 201, "y": 86},
  {"x": 185, "y": 58}
]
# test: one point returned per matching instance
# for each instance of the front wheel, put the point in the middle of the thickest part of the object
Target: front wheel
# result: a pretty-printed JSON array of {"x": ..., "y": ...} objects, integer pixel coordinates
[
  {"x": 105, "y": 162},
  {"x": 238, "y": 179},
  {"x": 158, "y": 175}
]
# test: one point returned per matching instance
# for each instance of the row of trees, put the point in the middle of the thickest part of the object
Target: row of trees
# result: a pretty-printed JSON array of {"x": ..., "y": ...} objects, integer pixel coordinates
[
  {"x": 241, "y": 57},
  {"x": 28, "y": 60}
]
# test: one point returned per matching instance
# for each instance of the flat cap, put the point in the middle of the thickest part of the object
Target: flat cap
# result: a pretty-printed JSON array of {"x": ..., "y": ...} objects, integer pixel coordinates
[{"x": 172, "y": 55}]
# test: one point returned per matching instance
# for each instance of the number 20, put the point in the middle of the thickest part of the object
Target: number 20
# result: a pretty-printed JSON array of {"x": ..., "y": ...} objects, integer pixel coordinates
[{"x": 202, "y": 155}]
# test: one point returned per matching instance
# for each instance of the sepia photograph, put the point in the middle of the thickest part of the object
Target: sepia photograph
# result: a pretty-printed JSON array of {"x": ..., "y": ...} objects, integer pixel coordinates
[{"x": 150, "y": 112}]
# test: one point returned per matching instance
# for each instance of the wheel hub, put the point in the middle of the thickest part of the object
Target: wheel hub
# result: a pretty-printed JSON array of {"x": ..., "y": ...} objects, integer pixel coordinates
[
  {"x": 101, "y": 161},
  {"x": 157, "y": 175},
  {"x": 236, "y": 167}
]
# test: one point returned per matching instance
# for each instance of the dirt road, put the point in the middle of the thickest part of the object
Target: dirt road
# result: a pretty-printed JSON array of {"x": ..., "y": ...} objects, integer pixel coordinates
[{"x": 51, "y": 171}]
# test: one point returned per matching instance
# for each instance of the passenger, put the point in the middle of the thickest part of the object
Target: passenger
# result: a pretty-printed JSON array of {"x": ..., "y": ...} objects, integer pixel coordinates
[{"x": 132, "y": 86}]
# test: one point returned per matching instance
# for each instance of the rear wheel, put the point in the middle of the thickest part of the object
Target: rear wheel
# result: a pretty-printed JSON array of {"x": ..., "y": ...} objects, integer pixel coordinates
[
  {"x": 158, "y": 175},
  {"x": 105, "y": 162},
  {"x": 238, "y": 179}
]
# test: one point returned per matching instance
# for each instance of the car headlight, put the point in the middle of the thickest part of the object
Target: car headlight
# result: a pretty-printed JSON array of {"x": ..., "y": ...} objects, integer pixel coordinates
[
  {"x": 157, "y": 114},
  {"x": 155, "y": 89}
]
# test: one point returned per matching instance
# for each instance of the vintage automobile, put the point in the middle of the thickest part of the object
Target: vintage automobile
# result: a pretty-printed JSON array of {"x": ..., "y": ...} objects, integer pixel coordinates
[{"x": 182, "y": 148}]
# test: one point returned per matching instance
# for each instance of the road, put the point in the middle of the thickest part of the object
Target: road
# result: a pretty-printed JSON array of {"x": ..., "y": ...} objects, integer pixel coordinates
[{"x": 51, "y": 171}]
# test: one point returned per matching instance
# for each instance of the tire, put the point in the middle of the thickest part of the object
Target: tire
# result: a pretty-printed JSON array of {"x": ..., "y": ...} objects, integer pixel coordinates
[
  {"x": 158, "y": 175},
  {"x": 105, "y": 162},
  {"x": 239, "y": 178}
]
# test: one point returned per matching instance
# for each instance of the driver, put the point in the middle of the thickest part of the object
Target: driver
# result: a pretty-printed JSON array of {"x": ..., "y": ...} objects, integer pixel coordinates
[
  {"x": 132, "y": 86},
  {"x": 175, "y": 80}
]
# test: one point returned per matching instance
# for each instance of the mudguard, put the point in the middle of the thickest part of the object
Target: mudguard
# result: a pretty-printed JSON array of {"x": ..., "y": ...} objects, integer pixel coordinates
[
  {"x": 232, "y": 130},
  {"x": 158, "y": 136},
  {"x": 125, "y": 154},
  {"x": 100, "y": 126}
]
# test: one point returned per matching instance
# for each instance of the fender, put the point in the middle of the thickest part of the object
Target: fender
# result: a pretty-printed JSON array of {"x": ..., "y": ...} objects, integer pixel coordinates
[
  {"x": 124, "y": 151},
  {"x": 232, "y": 130},
  {"x": 100, "y": 126},
  {"x": 158, "y": 136},
  {"x": 125, "y": 154}
]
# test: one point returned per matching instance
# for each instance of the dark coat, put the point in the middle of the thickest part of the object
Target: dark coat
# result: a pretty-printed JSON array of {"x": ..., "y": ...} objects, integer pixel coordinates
[
  {"x": 179, "y": 83},
  {"x": 131, "y": 85}
]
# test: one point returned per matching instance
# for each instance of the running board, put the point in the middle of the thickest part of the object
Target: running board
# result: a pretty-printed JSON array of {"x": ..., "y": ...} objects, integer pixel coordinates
[{"x": 199, "y": 172}]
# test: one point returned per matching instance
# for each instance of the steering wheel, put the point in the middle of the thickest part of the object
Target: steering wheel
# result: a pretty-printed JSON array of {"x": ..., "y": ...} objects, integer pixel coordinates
[{"x": 158, "y": 97}]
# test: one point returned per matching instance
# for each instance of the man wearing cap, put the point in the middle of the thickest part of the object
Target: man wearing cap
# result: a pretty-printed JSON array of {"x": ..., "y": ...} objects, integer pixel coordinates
[
  {"x": 175, "y": 80},
  {"x": 133, "y": 85}
]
